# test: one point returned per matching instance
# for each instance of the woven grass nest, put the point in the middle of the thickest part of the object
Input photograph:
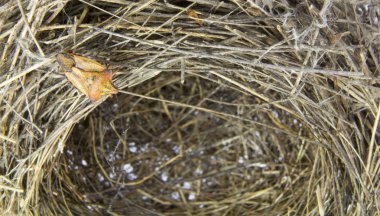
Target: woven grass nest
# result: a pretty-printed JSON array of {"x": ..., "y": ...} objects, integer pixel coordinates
[{"x": 227, "y": 107}]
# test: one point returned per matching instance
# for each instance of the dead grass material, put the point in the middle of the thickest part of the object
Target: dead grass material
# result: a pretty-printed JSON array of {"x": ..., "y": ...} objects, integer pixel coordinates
[{"x": 225, "y": 108}]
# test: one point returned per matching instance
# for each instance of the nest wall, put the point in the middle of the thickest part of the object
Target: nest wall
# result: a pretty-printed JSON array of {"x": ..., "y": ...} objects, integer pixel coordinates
[{"x": 224, "y": 108}]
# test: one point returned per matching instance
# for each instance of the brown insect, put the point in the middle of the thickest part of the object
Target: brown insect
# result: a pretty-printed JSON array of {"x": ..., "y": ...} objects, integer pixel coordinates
[{"x": 88, "y": 75}]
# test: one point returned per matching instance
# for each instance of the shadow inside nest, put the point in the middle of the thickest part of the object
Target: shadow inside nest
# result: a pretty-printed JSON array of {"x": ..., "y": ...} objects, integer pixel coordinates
[{"x": 155, "y": 154}]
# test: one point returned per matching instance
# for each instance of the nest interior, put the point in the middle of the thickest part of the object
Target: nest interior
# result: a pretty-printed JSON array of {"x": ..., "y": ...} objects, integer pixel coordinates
[{"x": 224, "y": 108}]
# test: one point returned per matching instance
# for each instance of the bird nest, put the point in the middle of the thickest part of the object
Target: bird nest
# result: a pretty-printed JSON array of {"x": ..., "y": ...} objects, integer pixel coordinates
[{"x": 223, "y": 108}]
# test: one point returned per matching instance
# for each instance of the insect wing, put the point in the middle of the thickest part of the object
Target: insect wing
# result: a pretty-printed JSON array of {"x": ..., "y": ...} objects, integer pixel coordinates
[
  {"x": 88, "y": 64},
  {"x": 78, "y": 79},
  {"x": 66, "y": 61}
]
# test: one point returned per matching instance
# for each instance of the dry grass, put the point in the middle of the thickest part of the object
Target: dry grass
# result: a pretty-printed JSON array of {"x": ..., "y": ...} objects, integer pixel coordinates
[{"x": 226, "y": 108}]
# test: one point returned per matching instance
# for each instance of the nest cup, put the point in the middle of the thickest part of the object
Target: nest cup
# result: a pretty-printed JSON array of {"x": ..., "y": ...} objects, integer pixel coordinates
[{"x": 224, "y": 108}]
